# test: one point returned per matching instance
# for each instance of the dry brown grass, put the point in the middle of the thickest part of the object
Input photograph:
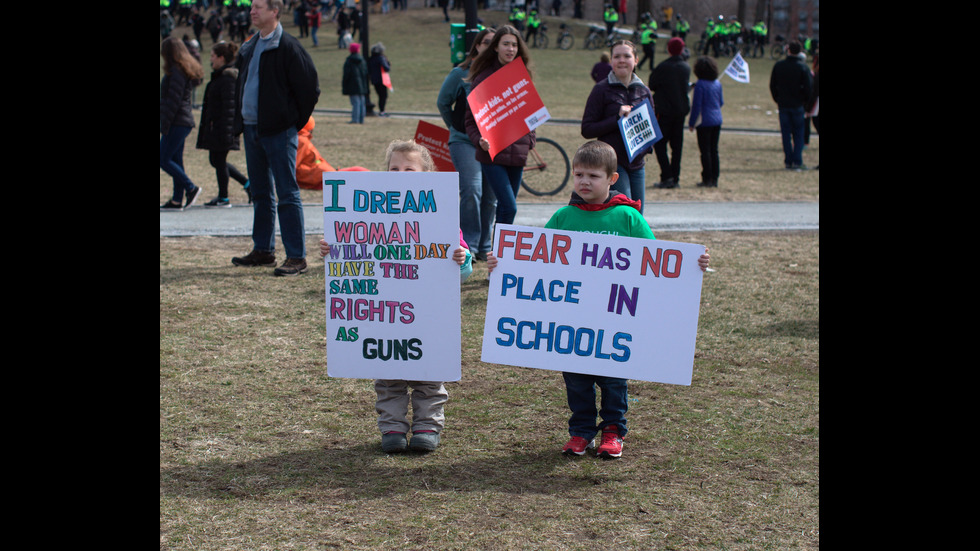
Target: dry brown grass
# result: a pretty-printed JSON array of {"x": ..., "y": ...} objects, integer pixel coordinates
[{"x": 259, "y": 449}]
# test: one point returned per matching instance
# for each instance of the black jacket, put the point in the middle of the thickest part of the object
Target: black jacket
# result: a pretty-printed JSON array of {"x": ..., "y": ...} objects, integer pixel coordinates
[
  {"x": 669, "y": 83},
  {"x": 288, "y": 84},
  {"x": 175, "y": 101},
  {"x": 790, "y": 83},
  {"x": 218, "y": 111}
]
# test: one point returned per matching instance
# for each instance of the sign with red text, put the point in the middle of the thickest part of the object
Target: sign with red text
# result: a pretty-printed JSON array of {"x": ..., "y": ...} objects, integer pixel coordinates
[
  {"x": 392, "y": 287},
  {"x": 436, "y": 140},
  {"x": 506, "y": 106},
  {"x": 593, "y": 303}
]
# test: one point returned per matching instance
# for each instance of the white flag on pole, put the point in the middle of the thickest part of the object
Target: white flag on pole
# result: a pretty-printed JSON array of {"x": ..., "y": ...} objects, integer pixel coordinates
[{"x": 738, "y": 69}]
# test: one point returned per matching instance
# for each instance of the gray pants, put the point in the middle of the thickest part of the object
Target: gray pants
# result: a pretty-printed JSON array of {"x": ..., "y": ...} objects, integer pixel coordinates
[{"x": 427, "y": 397}]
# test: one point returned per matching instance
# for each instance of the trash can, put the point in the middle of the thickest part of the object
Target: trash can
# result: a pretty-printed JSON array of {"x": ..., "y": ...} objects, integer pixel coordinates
[{"x": 457, "y": 42}]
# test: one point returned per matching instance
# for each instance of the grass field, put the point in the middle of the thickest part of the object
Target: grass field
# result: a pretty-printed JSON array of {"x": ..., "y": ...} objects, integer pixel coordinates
[{"x": 259, "y": 449}]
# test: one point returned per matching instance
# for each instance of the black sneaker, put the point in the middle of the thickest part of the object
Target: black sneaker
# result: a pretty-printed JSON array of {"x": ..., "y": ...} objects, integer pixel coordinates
[
  {"x": 171, "y": 205},
  {"x": 669, "y": 183},
  {"x": 192, "y": 196},
  {"x": 255, "y": 258},
  {"x": 222, "y": 202},
  {"x": 291, "y": 267}
]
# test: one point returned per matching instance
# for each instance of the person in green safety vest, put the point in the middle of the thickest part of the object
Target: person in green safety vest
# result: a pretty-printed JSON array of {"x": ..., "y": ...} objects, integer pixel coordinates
[
  {"x": 709, "y": 35},
  {"x": 164, "y": 5},
  {"x": 517, "y": 17},
  {"x": 760, "y": 34},
  {"x": 681, "y": 26},
  {"x": 648, "y": 40},
  {"x": 532, "y": 28},
  {"x": 611, "y": 17}
]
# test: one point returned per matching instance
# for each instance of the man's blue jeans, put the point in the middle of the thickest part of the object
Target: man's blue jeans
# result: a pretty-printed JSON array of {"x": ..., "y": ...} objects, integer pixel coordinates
[
  {"x": 357, "y": 109},
  {"x": 580, "y": 390},
  {"x": 791, "y": 126},
  {"x": 272, "y": 166},
  {"x": 477, "y": 202}
]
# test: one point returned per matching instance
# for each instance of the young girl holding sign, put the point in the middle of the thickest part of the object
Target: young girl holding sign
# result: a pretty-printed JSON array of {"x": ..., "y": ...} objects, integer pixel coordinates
[
  {"x": 504, "y": 171},
  {"x": 611, "y": 99},
  {"x": 428, "y": 398}
]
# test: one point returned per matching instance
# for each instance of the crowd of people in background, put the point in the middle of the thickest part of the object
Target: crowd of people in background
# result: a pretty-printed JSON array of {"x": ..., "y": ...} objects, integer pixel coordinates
[{"x": 493, "y": 185}]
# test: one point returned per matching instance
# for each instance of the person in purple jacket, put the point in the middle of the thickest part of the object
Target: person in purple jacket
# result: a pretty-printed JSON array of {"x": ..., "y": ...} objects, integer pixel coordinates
[{"x": 706, "y": 117}]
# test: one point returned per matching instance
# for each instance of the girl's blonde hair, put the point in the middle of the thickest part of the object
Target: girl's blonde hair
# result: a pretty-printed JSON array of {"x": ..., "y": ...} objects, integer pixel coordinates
[{"x": 409, "y": 147}]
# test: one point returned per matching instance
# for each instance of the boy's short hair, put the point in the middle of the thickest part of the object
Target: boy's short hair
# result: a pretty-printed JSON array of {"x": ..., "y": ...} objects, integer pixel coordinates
[
  {"x": 596, "y": 154},
  {"x": 409, "y": 147}
]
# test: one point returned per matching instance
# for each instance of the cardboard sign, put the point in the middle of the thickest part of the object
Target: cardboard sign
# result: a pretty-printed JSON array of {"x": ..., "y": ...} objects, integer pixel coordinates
[
  {"x": 392, "y": 288},
  {"x": 639, "y": 129},
  {"x": 738, "y": 69},
  {"x": 436, "y": 140},
  {"x": 506, "y": 106},
  {"x": 386, "y": 79},
  {"x": 593, "y": 303}
]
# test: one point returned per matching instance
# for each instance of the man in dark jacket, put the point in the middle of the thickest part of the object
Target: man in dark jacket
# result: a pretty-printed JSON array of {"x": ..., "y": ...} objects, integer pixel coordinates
[
  {"x": 669, "y": 83},
  {"x": 277, "y": 90},
  {"x": 790, "y": 86}
]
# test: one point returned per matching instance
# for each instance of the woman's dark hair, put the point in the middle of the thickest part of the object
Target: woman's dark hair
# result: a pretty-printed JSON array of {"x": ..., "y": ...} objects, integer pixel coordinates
[
  {"x": 226, "y": 51},
  {"x": 486, "y": 59},
  {"x": 705, "y": 68},
  {"x": 175, "y": 54}
]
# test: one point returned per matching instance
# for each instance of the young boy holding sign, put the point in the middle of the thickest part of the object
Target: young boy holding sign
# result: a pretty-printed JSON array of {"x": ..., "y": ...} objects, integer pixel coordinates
[
  {"x": 595, "y": 208},
  {"x": 428, "y": 398}
]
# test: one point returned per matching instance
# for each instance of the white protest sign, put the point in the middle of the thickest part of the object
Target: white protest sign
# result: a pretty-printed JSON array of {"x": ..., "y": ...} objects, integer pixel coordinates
[
  {"x": 738, "y": 69},
  {"x": 592, "y": 303},
  {"x": 392, "y": 288},
  {"x": 639, "y": 129}
]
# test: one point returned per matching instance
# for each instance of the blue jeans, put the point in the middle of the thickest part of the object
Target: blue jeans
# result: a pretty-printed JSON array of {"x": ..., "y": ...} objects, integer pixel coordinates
[
  {"x": 172, "y": 160},
  {"x": 791, "y": 126},
  {"x": 505, "y": 182},
  {"x": 272, "y": 166},
  {"x": 580, "y": 390},
  {"x": 632, "y": 183},
  {"x": 477, "y": 201},
  {"x": 358, "y": 109}
]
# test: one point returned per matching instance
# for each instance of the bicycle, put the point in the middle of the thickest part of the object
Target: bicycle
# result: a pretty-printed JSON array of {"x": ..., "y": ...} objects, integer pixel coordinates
[
  {"x": 778, "y": 49},
  {"x": 541, "y": 37},
  {"x": 595, "y": 37},
  {"x": 565, "y": 37},
  {"x": 547, "y": 168}
]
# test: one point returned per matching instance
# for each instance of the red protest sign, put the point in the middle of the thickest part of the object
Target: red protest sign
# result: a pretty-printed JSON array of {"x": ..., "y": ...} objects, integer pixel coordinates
[
  {"x": 506, "y": 106},
  {"x": 436, "y": 140},
  {"x": 386, "y": 79}
]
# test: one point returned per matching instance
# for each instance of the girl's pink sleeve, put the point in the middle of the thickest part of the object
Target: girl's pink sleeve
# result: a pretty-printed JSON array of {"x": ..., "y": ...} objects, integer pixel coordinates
[{"x": 462, "y": 242}]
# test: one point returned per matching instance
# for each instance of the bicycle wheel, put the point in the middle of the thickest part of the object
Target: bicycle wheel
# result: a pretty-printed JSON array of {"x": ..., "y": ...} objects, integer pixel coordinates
[
  {"x": 566, "y": 41},
  {"x": 541, "y": 41},
  {"x": 591, "y": 42},
  {"x": 776, "y": 52},
  {"x": 547, "y": 169}
]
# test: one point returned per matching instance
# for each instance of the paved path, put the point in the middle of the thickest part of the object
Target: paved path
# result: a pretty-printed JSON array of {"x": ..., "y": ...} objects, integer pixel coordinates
[{"x": 662, "y": 216}]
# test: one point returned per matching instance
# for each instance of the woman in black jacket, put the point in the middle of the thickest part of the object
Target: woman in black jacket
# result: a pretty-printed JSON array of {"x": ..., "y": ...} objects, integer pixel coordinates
[
  {"x": 181, "y": 74},
  {"x": 217, "y": 116}
]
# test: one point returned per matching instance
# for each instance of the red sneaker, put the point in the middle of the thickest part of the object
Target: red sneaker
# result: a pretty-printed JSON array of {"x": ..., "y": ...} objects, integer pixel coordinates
[
  {"x": 577, "y": 446},
  {"x": 611, "y": 445}
]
